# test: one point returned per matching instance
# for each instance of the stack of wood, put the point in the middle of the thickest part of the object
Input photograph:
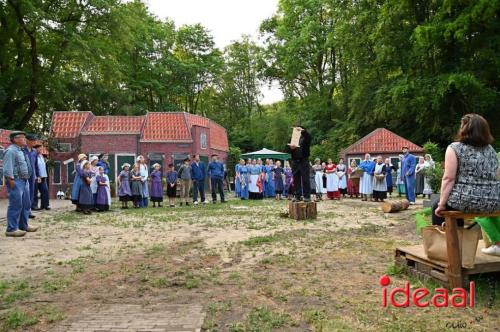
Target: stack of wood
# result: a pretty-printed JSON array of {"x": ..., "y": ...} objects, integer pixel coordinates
[
  {"x": 395, "y": 206},
  {"x": 302, "y": 210}
]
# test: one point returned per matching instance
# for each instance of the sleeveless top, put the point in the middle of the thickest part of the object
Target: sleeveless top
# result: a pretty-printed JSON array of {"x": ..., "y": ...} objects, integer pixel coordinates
[{"x": 476, "y": 187}]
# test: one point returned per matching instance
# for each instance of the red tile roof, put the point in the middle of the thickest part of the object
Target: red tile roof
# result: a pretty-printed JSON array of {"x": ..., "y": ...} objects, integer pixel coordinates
[
  {"x": 161, "y": 127},
  {"x": 218, "y": 137},
  {"x": 115, "y": 124},
  {"x": 196, "y": 120},
  {"x": 381, "y": 140},
  {"x": 68, "y": 124}
]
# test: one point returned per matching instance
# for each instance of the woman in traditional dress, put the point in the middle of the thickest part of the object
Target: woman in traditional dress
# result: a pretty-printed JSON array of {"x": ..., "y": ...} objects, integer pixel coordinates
[
  {"x": 288, "y": 181},
  {"x": 124, "y": 192},
  {"x": 388, "y": 178},
  {"x": 269, "y": 180},
  {"x": 353, "y": 182},
  {"x": 342, "y": 175},
  {"x": 243, "y": 176},
  {"x": 366, "y": 181},
  {"x": 318, "y": 178},
  {"x": 77, "y": 182},
  {"x": 237, "y": 181},
  {"x": 419, "y": 176},
  {"x": 103, "y": 201},
  {"x": 379, "y": 180},
  {"x": 94, "y": 170},
  {"x": 171, "y": 185},
  {"x": 428, "y": 166},
  {"x": 255, "y": 181},
  {"x": 332, "y": 181},
  {"x": 144, "y": 171},
  {"x": 278, "y": 172},
  {"x": 156, "y": 185},
  {"x": 85, "y": 198},
  {"x": 136, "y": 186}
]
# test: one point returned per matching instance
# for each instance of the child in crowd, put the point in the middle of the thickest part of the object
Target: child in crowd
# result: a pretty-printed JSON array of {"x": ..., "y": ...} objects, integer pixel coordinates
[
  {"x": 136, "y": 187},
  {"x": 124, "y": 192},
  {"x": 156, "y": 185},
  {"x": 85, "y": 197},
  {"x": 103, "y": 201},
  {"x": 171, "y": 185}
]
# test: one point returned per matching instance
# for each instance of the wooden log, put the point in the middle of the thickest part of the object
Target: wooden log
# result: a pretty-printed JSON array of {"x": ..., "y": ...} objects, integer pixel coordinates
[
  {"x": 302, "y": 210},
  {"x": 395, "y": 206}
]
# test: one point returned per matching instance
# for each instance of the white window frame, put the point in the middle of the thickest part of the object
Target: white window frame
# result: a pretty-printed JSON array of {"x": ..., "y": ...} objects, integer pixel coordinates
[{"x": 203, "y": 138}]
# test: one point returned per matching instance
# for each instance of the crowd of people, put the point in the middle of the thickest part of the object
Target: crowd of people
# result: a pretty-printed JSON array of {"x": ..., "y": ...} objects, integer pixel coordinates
[
  {"x": 370, "y": 180},
  {"x": 140, "y": 185},
  {"x": 26, "y": 174}
]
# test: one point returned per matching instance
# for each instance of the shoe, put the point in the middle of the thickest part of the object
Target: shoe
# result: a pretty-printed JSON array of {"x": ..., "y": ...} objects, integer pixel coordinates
[
  {"x": 491, "y": 250},
  {"x": 187, "y": 204},
  {"x": 195, "y": 202},
  {"x": 172, "y": 206},
  {"x": 205, "y": 202},
  {"x": 32, "y": 216},
  {"x": 223, "y": 201},
  {"x": 48, "y": 208},
  {"x": 16, "y": 233},
  {"x": 36, "y": 209},
  {"x": 412, "y": 203},
  {"x": 31, "y": 229}
]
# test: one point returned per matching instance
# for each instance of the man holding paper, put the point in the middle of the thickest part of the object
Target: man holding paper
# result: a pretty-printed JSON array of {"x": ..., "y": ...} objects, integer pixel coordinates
[{"x": 299, "y": 148}]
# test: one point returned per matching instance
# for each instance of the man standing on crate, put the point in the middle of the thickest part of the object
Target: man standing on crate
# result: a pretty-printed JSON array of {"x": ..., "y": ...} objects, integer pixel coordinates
[{"x": 300, "y": 165}]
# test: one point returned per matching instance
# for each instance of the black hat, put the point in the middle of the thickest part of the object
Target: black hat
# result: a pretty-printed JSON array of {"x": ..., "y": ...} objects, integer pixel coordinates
[
  {"x": 100, "y": 156},
  {"x": 214, "y": 155},
  {"x": 31, "y": 137},
  {"x": 15, "y": 133}
]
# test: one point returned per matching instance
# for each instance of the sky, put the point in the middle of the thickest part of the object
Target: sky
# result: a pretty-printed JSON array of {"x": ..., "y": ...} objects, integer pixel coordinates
[{"x": 227, "y": 20}]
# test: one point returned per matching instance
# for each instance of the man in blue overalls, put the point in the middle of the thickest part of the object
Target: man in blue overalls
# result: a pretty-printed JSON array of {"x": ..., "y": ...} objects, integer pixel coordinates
[
  {"x": 408, "y": 165},
  {"x": 17, "y": 172}
]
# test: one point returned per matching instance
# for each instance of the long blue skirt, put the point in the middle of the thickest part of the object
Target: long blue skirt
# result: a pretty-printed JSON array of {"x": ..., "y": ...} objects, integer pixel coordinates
[{"x": 75, "y": 190}]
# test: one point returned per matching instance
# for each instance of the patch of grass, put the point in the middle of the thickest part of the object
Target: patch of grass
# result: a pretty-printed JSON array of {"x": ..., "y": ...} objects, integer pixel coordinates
[
  {"x": 260, "y": 240},
  {"x": 394, "y": 270},
  {"x": 17, "y": 318},
  {"x": 13, "y": 291},
  {"x": 263, "y": 319},
  {"x": 54, "y": 284}
]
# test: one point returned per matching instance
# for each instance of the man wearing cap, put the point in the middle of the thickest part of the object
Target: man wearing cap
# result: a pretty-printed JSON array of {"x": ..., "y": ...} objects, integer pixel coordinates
[
  {"x": 41, "y": 180},
  {"x": 300, "y": 165},
  {"x": 408, "y": 165},
  {"x": 17, "y": 172},
  {"x": 216, "y": 175}
]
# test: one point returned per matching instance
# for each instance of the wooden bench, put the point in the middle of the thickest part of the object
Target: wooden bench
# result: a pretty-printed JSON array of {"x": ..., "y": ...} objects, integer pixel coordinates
[{"x": 454, "y": 272}]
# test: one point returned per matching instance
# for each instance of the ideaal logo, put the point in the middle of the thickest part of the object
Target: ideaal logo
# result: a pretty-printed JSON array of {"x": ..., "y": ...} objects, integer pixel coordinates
[{"x": 419, "y": 297}]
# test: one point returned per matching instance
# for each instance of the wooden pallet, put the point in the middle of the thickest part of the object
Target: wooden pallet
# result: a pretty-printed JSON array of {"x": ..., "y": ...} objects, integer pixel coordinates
[{"x": 416, "y": 263}]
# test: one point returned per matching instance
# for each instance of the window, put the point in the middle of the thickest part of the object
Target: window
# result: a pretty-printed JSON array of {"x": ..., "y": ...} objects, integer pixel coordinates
[
  {"x": 63, "y": 147},
  {"x": 56, "y": 173},
  {"x": 203, "y": 140},
  {"x": 70, "y": 168},
  {"x": 155, "y": 158}
]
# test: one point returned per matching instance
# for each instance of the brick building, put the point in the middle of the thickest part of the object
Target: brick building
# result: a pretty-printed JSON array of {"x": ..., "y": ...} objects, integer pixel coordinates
[{"x": 380, "y": 142}]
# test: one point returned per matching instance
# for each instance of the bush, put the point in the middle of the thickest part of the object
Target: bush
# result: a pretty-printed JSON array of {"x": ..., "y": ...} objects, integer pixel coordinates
[
  {"x": 435, "y": 175},
  {"x": 434, "y": 150}
]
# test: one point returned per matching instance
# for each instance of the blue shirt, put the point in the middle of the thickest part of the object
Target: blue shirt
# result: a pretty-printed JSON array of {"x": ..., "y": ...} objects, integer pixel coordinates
[
  {"x": 216, "y": 170},
  {"x": 104, "y": 166},
  {"x": 15, "y": 163},
  {"x": 198, "y": 171},
  {"x": 368, "y": 166},
  {"x": 408, "y": 165}
]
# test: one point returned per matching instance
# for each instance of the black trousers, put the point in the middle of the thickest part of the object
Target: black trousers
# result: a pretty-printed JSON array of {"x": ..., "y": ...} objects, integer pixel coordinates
[
  {"x": 217, "y": 185},
  {"x": 301, "y": 181}
]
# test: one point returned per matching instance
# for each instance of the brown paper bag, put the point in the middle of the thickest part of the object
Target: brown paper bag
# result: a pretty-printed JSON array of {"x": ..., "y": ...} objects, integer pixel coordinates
[
  {"x": 296, "y": 133},
  {"x": 435, "y": 243}
]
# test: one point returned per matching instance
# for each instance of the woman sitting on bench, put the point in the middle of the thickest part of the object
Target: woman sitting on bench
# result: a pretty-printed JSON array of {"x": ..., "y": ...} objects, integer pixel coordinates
[{"x": 470, "y": 181}]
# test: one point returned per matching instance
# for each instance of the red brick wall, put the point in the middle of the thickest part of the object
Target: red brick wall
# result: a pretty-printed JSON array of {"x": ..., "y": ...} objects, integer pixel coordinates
[{"x": 109, "y": 143}]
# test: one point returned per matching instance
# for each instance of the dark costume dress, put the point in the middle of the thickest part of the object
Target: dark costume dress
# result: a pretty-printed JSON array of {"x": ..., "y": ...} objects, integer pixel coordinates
[
  {"x": 136, "y": 188},
  {"x": 102, "y": 201},
  {"x": 156, "y": 192},
  {"x": 171, "y": 179},
  {"x": 278, "y": 180},
  {"x": 85, "y": 197}
]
